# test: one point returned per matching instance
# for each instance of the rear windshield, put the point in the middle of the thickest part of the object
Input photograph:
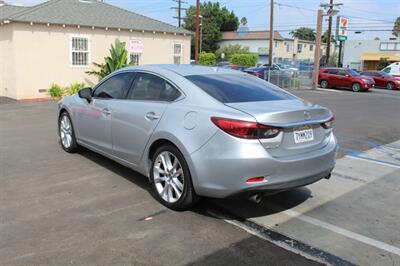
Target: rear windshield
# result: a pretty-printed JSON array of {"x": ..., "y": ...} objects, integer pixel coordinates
[{"x": 231, "y": 88}]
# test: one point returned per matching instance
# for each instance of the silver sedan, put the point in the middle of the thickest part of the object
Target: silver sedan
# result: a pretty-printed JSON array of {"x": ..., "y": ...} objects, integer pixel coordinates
[{"x": 200, "y": 131}]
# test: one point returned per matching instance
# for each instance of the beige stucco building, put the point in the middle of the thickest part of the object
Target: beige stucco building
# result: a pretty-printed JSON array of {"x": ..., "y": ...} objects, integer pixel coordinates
[
  {"x": 38, "y": 48},
  {"x": 284, "y": 49}
]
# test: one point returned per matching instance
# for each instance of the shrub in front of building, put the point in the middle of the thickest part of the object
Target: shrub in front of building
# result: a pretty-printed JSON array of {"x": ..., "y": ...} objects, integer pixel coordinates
[
  {"x": 247, "y": 60},
  {"x": 74, "y": 88},
  {"x": 55, "y": 91},
  {"x": 207, "y": 59}
]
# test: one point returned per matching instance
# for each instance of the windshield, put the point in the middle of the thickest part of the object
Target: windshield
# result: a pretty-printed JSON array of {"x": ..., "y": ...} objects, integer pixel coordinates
[
  {"x": 385, "y": 74},
  {"x": 353, "y": 72},
  {"x": 233, "y": 88}
]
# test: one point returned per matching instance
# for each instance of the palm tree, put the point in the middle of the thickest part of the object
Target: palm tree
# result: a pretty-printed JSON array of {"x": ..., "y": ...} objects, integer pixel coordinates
[{"x": 118, "y": 59}]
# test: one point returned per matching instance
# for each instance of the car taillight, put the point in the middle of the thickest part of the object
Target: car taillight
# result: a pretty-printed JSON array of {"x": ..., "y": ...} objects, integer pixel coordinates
[
  {"x": 245, "y": 129},
  {"x": 329, "y": 124}
]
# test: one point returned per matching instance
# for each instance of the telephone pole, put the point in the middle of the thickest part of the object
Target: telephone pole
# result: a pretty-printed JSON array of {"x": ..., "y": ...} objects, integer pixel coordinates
[
  {"x": 178, "y": 10},
  {"x": 329, "y": 33},
  {"x": 317, "y": 52},
  {"x": 271, "y": 32},
  {"x": 196, "y": 50}
]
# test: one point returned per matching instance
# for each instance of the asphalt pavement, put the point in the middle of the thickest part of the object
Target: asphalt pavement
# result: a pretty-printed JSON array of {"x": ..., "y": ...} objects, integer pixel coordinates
[{"x": 59, "y": 208}]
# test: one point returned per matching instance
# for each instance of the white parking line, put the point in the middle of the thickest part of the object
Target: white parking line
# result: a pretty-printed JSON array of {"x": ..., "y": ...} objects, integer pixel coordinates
[
  {"x": 374, "y": 161},
  {"x": 344, "y": 232}
]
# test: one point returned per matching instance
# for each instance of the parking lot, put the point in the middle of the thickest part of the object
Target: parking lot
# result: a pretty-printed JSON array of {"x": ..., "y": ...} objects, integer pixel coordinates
[{"x": 59, "y": 208}]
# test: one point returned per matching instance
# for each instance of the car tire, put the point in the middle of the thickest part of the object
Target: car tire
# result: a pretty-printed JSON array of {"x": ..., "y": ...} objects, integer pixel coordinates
[
  {"x": 356, "y": 87},
  {"x": 173, "y": 188},
  {"x": 67, "y": 134},
  {"x": 324, "y": 84},
  {"x": 390, "y": 86}
]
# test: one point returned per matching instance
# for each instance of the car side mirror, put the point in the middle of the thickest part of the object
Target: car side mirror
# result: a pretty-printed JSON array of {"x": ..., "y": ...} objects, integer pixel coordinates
[
  {"x": 86, "y": 93},
  {"x": 348, "y": 76}
]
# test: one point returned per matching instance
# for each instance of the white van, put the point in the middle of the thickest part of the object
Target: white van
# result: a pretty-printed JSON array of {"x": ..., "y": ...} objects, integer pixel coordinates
[{"x": 393, "y": 69}]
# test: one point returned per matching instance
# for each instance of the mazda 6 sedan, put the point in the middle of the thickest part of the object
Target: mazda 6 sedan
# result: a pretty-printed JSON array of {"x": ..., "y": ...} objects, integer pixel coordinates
[{"x": 201, "y": 131}]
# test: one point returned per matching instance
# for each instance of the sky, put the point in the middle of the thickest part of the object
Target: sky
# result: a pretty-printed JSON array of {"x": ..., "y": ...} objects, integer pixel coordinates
[{"x": 374, "y": 18}]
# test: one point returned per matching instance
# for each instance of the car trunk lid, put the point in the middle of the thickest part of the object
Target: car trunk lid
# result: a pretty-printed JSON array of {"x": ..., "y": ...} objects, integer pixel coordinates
[{"x": 300, "y": 122}]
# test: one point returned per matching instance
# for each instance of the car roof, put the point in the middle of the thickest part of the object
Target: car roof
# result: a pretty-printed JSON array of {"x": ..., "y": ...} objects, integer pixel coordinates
[{"x": 184, "y": 70}]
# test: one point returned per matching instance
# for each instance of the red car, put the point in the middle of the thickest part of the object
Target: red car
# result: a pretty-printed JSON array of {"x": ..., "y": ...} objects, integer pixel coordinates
[
  {"x": 383, "y": 79},
  {"x": 344, "y": 78}
]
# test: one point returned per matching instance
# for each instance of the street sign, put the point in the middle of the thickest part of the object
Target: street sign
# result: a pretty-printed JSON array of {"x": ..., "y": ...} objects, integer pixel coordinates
[{"x": 341, "y": 29}]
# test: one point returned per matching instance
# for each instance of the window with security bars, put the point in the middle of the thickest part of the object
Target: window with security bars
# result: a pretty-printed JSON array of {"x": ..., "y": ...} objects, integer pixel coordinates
[
  {"x": 178, "y": 53},
  {"x": 134, "y": 58},
  {"x": 80, "y": 51}
]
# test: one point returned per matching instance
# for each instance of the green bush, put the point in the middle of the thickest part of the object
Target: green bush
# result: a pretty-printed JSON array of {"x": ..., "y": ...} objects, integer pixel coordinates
[
  {"x": 74, "y": 88},
  {"x": 230, "y": 50},
  {"x": 247, "y": 60},
  {"x": 207, "y": 59},
  {"x": 55, "y": 91}
]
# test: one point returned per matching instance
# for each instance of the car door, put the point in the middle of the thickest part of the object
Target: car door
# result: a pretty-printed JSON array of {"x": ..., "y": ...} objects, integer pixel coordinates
[
  {"x": 333, "y": 77},
  {"x": 94, "y": 122},
  {"x": 344, "y": 79},
  {"x": 135, "y": 118},
  {"x": 380, "y": 80}
]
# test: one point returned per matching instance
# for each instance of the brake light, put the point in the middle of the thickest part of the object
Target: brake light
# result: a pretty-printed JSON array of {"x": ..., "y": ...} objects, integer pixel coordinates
[
  {"x": 245, "y": 129},
  {"x": 255, "y": 179},
  {"x": 329, "y": 124}
]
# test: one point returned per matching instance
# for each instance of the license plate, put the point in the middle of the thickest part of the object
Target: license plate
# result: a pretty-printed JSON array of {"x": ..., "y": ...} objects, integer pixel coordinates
[{"x": 302, "y": 135}]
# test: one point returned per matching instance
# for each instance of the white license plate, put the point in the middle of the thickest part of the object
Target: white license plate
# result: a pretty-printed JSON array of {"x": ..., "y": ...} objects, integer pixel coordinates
[{"x": 303, "y": 135}]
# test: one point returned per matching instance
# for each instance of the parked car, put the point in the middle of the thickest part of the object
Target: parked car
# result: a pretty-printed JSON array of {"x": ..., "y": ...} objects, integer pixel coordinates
[
  {"x": 344, "y": 78},
  {"x": 393, "y": 69},
  {"x": 278, "y": 68},
  {"x": 201, "y": 131},
  {"x": 259, "y": 72},
  {"x": 383, "y": 79}
]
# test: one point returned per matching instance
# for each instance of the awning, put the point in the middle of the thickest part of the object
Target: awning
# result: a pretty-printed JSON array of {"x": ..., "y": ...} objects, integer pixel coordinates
[{"x": 390, "y": 56}]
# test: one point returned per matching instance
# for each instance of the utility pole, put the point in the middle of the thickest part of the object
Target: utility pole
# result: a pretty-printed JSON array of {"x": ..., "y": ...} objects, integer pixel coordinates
[
  {"x": 271, "y": 33},
  {"x": 329, "y": 33},
  {"x": 317, "y": 53},
  {"x": 178, "y": 10},
  {"x": 196, "y": 51},
  {"x": 201, "y": 34}
]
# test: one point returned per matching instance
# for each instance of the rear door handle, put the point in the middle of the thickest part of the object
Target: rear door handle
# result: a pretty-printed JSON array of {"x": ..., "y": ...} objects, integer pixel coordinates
[
  {"x": 106, "y": 111},
  {"x": 152, "y": 116}
]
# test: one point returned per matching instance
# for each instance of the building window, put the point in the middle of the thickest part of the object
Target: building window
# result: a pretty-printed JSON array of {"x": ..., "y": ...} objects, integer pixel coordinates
[
  {"x": 389, "y": 46},
  {"x": 299, "y": 48},
  {"x": 288, "y": 48},
  {"x": 80, "y": 51},
  {"x": 311, "y": 47},
  {"x": 134, "y": 58},
  {"x": 276, "y": 44},
  {"x": 178, "y": 50}
]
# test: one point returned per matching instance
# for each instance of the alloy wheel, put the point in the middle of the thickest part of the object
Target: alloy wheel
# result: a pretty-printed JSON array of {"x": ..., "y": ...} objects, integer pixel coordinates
[
  {"x": 66, "y": 132},
  {"x": 168, "y": 177}
]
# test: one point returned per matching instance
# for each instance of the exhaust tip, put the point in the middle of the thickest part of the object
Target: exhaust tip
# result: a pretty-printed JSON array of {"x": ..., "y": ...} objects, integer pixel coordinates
[{"x": 256, "y": 198}]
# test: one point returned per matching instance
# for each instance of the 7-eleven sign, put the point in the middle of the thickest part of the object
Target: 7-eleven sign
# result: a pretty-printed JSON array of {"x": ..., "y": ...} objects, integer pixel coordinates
[{"x": 342, "y": 24}]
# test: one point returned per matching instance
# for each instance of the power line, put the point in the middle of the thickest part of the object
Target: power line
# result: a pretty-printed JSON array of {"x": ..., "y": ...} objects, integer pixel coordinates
[{"x": 178, "y": 10}]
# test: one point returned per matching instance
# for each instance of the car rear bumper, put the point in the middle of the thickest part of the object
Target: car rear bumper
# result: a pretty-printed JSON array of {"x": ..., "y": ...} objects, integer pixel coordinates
[{"x": 222, "y": 166}]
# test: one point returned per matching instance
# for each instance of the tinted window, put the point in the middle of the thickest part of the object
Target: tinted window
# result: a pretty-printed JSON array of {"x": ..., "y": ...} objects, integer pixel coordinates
[
  {"x": 331, "y": 71},
  {"x": 152, "y": 88},
  {"x": 387, "y": 70},
  {"x": 371, "y": 74},
  {"x": 353, "y": 72},
  {"x": 115, "y": 87},
  {"x": 238, "y": 88},
  {"x": 342, "y": 72}
]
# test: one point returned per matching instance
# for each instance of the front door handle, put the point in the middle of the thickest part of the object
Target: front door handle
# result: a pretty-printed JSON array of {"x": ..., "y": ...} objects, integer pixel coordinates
[
  {"x": 106, "y": 111},
  {"x": 152, "y": 116}
]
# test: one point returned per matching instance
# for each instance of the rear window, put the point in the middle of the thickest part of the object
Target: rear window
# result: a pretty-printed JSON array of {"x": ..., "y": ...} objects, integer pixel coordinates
[{"x": 231, "y": 88}]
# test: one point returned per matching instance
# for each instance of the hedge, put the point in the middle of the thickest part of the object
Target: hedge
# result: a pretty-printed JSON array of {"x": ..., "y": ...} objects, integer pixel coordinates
[
  {"x": 207, "y": 59},
  {"x": 247, "y": 60}
]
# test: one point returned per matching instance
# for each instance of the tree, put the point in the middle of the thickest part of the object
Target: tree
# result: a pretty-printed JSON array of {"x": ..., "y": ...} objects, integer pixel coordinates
[
  {"x": 118, "y": 59},
  {"x": 215, "y": 21},
  {"x": 304, "y": 33},
  {"x": 230, "y": 50},
  {"x": 383, "y": 62},
  {"x": 396, "y": 27},
  {"x": 243, "y": 21},
  {"x": 324, "y": 37}
]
